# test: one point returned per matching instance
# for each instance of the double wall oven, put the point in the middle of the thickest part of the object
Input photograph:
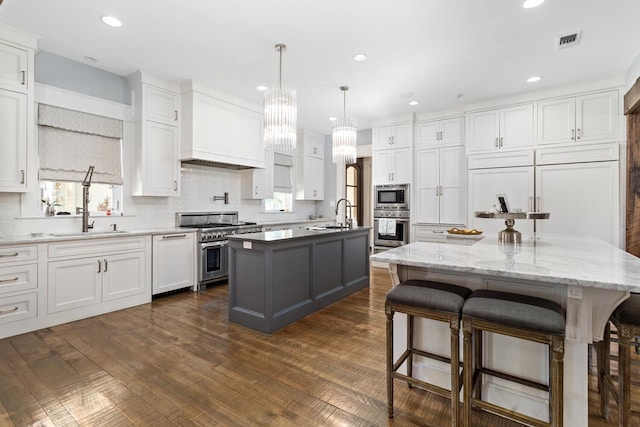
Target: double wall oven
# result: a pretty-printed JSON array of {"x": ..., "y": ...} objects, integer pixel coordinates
[
  {"x": 213, "y": 227},
  {"x": 391, "y": 216}
]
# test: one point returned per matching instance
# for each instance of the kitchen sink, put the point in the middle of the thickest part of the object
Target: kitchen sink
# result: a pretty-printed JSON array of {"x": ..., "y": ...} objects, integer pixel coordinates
[{"x": 96, "y": 234}]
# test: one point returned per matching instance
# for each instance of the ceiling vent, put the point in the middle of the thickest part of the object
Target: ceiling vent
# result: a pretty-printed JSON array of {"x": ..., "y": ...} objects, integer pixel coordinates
[{"x": 568, "y": 40}]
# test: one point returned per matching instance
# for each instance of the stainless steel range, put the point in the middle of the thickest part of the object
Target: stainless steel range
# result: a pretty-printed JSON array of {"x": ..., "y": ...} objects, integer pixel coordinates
[{"x": 213, "y": 227}]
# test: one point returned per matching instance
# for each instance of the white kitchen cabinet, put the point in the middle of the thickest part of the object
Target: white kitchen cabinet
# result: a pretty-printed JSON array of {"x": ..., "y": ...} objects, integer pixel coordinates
[
  {"x": 309, "y": 166},
  {"x": 14, "y": 68},
  {"x": 219, "y": 130},
  {"x": 257, "y": 183},
  {"x": 18, "y": 284},
  {"x": 593, "y": 117},
  {"x": 438, "y": 186},
  {"x": 582, "y": 198},
  {"x": 97, "y": 276},
  {"x": 518, "y": 185},
  {"x": 13, "y": 141},
  {"x": 440, "y": 133},
  {"x": 392, "y": 166},
  {"x": 396, "y": 136},
  {"x": 504, "y": 128},
  {"x": 174, "y": 263},
  {"x": 155, "y": 162}
]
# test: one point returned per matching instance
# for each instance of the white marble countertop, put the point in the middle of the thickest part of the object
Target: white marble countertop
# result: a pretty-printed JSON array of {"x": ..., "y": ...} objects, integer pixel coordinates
[
  {"x": 571, "y": 260},
  {"x": 280, "y": 235},
  {"x": 65, "y": 236}
]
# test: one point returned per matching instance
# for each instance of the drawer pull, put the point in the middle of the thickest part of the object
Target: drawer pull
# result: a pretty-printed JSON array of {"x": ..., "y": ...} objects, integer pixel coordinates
[
  {"x": 9, "y": 255},
  {"x": 438, "y": 232},
  {"x": 11, "y": 310},
  {"x": 15, "y": 279},
  {"x": 174, "y": 236}
]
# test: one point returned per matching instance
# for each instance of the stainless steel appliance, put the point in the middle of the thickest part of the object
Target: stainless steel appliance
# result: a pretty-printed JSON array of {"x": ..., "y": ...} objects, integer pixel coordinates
[
  {"x": 213, "y": 227},
  {"x": 394, "y": 197},
  {"x": 390, "y": 228}
]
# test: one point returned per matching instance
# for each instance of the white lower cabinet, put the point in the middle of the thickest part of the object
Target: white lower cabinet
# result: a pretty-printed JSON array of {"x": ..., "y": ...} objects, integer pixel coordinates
[
  {"x": 18, "y": 284},
  {"x": 173, "y": 262}
]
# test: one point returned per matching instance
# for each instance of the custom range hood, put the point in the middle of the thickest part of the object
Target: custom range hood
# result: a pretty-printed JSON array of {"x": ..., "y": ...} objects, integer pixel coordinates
[{"x": 220, "y": 130}]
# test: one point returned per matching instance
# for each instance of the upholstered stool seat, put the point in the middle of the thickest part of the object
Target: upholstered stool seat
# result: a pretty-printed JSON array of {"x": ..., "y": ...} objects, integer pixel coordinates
[
  {"x": 626, "y": 318},
  {"x": 430, "y": 300},
  {"x": 518, "y": 316}
]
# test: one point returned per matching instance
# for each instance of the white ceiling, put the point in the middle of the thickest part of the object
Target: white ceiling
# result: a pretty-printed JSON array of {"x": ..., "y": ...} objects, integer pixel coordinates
[{"x": 433, "y": 49}]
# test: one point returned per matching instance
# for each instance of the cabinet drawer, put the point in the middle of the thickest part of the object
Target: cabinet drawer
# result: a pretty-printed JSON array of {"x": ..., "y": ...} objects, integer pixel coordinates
[
  {"x": 501, "y": 160},
  {"x": 96, "y": 247},
  {"x": 18, "y": 278},
  {"x": 429, "y": 233},
  {"x": 582, "y": 154},
  {"x": 18, "y": 253},
  {"x": 18, "y": 307}
]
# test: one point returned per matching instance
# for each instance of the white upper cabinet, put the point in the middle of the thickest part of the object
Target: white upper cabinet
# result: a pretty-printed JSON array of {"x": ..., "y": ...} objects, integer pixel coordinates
[
  {"x": 505, "y": 128},
  {"x": 398, "y": 136},
  {"x": 14, "y": 72},
  {"x": 13, "y": 141},
  {"x": 440, "y": 133},
  {"x": 218, "y": 129},
  {"x": 309, "y": 167},
  {"x": 155, "y": 163},
  {"x": 392, "y": 166},
  {"x": 439, "y": 190},
  {"x": 585, "y": 118},
  {"x": 257, "y": 183}
]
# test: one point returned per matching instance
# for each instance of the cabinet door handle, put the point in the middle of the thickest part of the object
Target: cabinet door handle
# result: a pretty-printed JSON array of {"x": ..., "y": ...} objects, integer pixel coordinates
[
  {"x": 578, "y": 134},
  {"x": 15, "y": 279},
  {"x": 24, "y": 77},
  {"x": 531, "y": 208},
  {"x": 497, "y": 143},
  {"x": 176, "y": 115},
  {"x": 173, "y": 236},
  {"x": 573, "y": 134},
  {"x": 106, "y": 265},
  {"x": 22, "y": 173},
  {"x": 501, "y": 139},
  {"x": 538, "y": 203},
  {"x": 9, "y": 255},
  {"x": 175, "y": 185},
  {"x": 99, "y": 266},
  {"x": 9, "y": 310}
]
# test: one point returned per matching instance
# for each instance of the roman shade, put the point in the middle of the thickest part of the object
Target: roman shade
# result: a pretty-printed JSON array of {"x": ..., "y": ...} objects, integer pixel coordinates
[
  {"x": 282, "y": 165},
  {"x": 70, "y": 141}
]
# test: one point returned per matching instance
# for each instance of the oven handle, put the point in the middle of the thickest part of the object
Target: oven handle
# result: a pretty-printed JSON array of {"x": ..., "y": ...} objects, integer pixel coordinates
[
  {"x": 212, "y": 244},
  {"x": 386, "y": 217}
]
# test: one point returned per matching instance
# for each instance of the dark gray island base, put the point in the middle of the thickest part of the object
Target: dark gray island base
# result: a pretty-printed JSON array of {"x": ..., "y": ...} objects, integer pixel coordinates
[{"x": 279, "y": 277}]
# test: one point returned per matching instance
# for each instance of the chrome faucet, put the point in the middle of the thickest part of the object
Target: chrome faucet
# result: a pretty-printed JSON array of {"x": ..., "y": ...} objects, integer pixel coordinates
[
  {"x": 349, "y": 222},
  {"x": 86, "y": 183}
]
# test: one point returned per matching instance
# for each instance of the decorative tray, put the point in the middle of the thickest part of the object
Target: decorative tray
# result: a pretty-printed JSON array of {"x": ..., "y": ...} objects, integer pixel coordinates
[{"x": 464, "y": 232}]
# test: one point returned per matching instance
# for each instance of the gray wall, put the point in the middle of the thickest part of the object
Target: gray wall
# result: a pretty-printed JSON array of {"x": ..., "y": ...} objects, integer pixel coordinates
[{"x": 54, "y": 70}]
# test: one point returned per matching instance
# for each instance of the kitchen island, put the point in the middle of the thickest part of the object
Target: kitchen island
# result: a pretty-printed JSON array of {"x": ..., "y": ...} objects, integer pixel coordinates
[
  {"x": 586, "y": 276},
  {"x": 279, "y": 277}
]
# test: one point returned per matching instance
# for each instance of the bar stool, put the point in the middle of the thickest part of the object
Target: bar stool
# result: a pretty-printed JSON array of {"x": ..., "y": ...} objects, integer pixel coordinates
[
  {"x": 429, "y": 300},
  {"x": 518, "y": 316},
  {"x": 626, "y": 318}
]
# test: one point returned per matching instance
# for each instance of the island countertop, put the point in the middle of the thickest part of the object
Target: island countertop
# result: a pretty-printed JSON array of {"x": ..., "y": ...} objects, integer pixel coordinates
[
  {"x": 563, "y": 259},
  {"x": 280, "y": 235}
]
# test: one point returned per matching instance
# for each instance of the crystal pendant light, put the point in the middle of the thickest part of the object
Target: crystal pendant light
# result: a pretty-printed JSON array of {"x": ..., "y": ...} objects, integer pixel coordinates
[
  {"x": 344, "y": 136},
  {"x": 280, "y": 113}
]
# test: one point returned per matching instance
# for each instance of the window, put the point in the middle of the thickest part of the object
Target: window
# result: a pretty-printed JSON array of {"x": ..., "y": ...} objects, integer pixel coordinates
[
  {"x": 353, "y": 189},
  {"x": 68, "y": 143},
  {"x": 282, "y": 200}
]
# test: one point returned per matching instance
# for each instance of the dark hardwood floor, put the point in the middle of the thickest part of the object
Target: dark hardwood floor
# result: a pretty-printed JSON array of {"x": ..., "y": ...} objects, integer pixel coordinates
[{"x": 178, "y": 361}]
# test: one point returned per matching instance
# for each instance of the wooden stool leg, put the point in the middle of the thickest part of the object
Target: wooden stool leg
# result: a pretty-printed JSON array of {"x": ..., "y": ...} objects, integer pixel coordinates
[
  {"x": 624, "y": 373},
  {"x": 410, "y": 322},
  {"x": 389, "y": 312},
  {"x": 454, "y": 325},
  {"x": 467, "y": 370},
  {"x": 556, "y": 373},
  {"x": 604, "y": 369},
  {"x": 478, "y": 362}
]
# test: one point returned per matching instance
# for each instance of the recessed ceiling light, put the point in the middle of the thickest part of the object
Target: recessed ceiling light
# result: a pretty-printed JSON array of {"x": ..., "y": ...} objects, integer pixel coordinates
[
  {"x": 332, "y": 119},
  {"x": 412, "y": 103},
  {"x": 261, "y": 88},
  {"x": 112, "y": 21},
  {"x": 530, "y": 4},
  {"x": 359, "y": 57},
  {"x": 534, "y": 79},
  {"x": 90, "y": 59}
]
